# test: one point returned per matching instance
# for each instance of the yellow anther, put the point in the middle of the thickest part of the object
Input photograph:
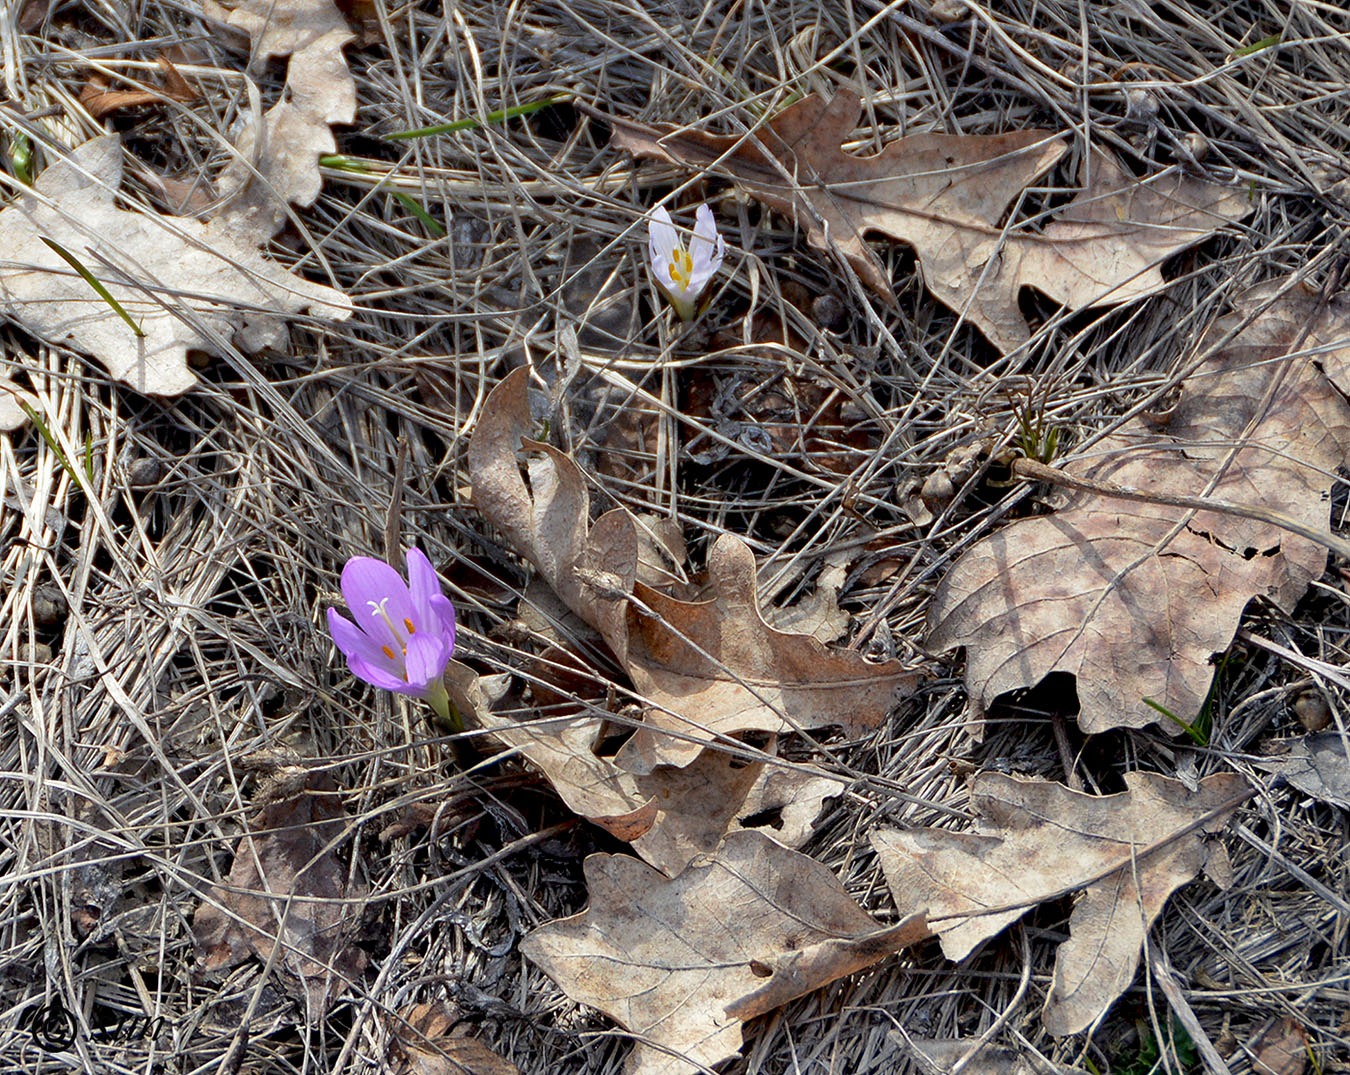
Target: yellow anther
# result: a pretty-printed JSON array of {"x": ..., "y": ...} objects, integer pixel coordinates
[
  {"x": 409, "y": 625},
  {"x": 681, "y": 267},
  {"x": 387, "y": 652}
]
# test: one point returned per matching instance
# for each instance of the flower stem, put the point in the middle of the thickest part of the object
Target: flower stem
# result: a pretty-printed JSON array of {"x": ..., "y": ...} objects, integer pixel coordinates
[{"x": 447, "y": 716}]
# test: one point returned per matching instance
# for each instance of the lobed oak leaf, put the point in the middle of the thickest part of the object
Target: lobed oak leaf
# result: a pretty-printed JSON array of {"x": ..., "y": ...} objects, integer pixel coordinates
[
  {"x": 288, "y": 888},
  {"x": 947, "y": 196},
  {"x": 670, "y": 816},
  {"x": 1038, "y": 840},
  {"x": 186, "y": 284},
  {"x": 682, "y": 963},
  {"x": 1317, "y": 765},
  {"x": 425, "y": 1040},
  {"x": 715, "y": 667},
  {"x": 709, "y": 668},
  {"x": 1134, "y": 599}
]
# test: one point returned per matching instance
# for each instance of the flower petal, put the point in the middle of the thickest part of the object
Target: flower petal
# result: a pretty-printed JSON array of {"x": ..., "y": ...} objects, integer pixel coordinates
[
  {"x": 425, "y": 659},
  {"x": 706, "y": 247},
  {"x": 444, "y": 612},
  {"x": 369, "y": 585},
  {"x": 423, "y": 585},
  {"x": 662, "y": 239},
  {"x": 379, "y": 677}
]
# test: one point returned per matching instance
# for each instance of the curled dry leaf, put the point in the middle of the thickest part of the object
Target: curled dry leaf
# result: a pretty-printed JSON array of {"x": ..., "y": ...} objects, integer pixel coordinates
[
  {"x": 100, "y": 99},
  {"x": 1317, "y": 765},
  {"x": 714, "y": 667},
  {"x": 186, "y": 284},
  {"x": 426, "y": 1041},
  {"x": 1038, "y": 840},
  {"x": 278, "y": 154},
  {"x": 710, "y": 667},
  {"x": 683, "y": 962},
  {"x": 947, "y": 196},
  {"x": 1134, "y": 599},
  {"x": 548, "y": 520},
  {"x": 289, "y": 851},
  {"x": 670, "y": 816}
]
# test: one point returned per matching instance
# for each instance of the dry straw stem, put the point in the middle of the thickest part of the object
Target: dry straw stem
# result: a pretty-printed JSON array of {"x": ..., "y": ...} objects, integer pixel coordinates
[{"x": 177, "y": 585}]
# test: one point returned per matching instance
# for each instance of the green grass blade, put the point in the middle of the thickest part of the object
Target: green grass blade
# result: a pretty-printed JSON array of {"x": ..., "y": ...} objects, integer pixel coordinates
[
  {"x": 415, "y": 208},
  {"x": 103, "y": 293},
  {"x": 1190, "y": 729},
  {"x": 499, "y": 116},
  {"x": 343, "y": 163},
  {"x": 1255, "y": 46},
  {"x": 41, "y": 427}
]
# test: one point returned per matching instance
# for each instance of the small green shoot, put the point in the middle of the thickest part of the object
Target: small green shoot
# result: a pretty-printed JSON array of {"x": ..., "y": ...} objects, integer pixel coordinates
[
  {"x": 41, "y": 426},
  {"x": 343, "y": 163},
  {"x": 499, "y": 116},
  {"x": 351, "y": 164},
  {"x": 103, "y": 293},
  {"x": 1255, "y": 46},
  {"x": 1147, "y": 1059},
  {"x": 1037, "y": 438},
  {"x": 21, "y": 159},
  {"x": 415, "y": 208},
  {"x": 89, "y": 456},
  {"x": 1201, "y": 739}
]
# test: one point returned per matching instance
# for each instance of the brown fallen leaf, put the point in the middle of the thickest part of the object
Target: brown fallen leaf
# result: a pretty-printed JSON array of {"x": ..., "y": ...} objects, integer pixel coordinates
[
  {"x": 1317, "y": 765},
  {"x": 287, "y": 886},
  {"x": 683, "y": 962},
  {"x": 1134, "y": 599},
  {"x": 714, "y": 667},
  {"x": 944, "y": 1053},
  {"x": 708, "y": 668},
  {"x": 590, "y": 785},
  {"x": 1282, "y": 1049},
  {"x": 425, "y": 1041},
  {"x": 278, "y": 27},
  {"x": 99, "y": 99},
  {"x": 277, "y": 163},
  {"x": 1038, "y": 840},
  {"x": 184, "y": 283},
  {"x": 277, "y": 159},
  {"x": 670, "y": 816},
  {"x": 548, "y": 520},
  {"x": 947, "y": 196}
]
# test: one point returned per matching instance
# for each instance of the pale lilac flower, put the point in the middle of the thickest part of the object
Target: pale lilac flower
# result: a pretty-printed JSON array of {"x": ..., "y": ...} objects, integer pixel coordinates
[
  {"x": 404, "y": 632},
  {"x": 682, "y": 273}
]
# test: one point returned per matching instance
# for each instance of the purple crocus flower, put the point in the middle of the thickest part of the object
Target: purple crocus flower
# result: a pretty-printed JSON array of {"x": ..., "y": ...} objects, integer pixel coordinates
[{"x": 404, "y": 632}]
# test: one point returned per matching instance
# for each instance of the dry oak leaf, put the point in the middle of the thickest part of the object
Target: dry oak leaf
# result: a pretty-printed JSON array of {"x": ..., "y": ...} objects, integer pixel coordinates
[
  {"x": 708, "y": 668},
  {"x": 671, "y": 815},
  {"x": 279, "y": 27},
  {"x": 947, "y": 196},
  {"x": 186, "y": 284},
  {"x": 1134, "y": 599},
  {"x": 1317, "y": 765},
  {"x": 714, "y": 667},
  {"x": 547, "y": 521},
  {"x": 287, "y": 886},
  {"x": 277, "y": 158},
  {"x": 425, "y": 1041},
  {"x": 100, "y": 99},
  {"x": 681, "y": 963},
  {"x": 1038, "y": 840}
]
